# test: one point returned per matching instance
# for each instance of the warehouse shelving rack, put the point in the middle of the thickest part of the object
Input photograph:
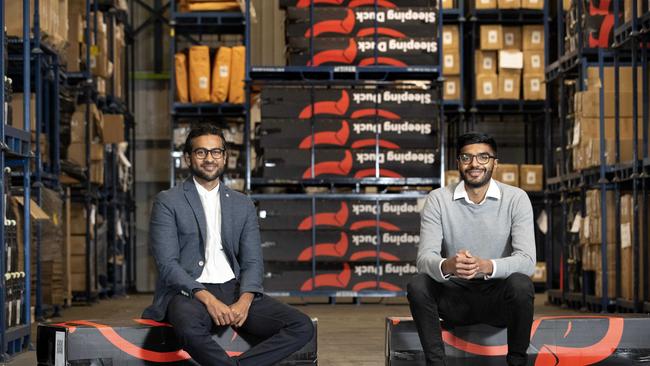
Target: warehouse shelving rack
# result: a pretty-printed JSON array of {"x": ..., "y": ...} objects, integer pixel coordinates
[
  {"x": 15, "y": 152},
  {"x": 379, "y": 76},
  {"x": 189, "y": 25},
  {"x": 614, "y": 177}
]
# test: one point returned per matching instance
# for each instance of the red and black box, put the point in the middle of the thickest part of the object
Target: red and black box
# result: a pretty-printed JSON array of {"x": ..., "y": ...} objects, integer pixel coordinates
[
  {"x": 554, "y": 340},
  {"x": 348, "y": 163},
  {"x": 137, "y": 342},
  {"x": 340, "y": 246},
  {"x": 343, "y": 133},
  {"x": 360, "y": 22},
  {"x": 396, "y": 215},
  {"x": 367, "y": 51},
  {"x": 357, "y": 277},
  {"x": 306, "y": 103},
  {"x": 358, "y": 3}
]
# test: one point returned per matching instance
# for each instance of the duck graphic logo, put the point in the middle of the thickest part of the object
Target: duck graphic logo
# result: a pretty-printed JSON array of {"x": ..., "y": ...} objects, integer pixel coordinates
[
  {"x": 340, "y": 108},
  {"x": 347, "y": 25},
  {"x": 136, "y": 351},
  {"x": 341, "y": 137},
  {"x": 340, "y": 249},
  {"x": 348, "y": 55},
  {"x": 339, "y": 219},
  {"x": 342, "y": 279},
  {"x": 572, "y": 352}
]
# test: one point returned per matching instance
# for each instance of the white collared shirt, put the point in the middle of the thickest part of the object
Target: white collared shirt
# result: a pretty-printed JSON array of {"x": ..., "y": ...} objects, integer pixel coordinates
[
  {"x": 216, "y": 268},
  {"x": 461, "y": 193}
]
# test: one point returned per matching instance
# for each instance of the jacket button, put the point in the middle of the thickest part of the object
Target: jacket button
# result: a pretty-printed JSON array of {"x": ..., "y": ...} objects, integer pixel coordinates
[{"x": 201, "y": 263}]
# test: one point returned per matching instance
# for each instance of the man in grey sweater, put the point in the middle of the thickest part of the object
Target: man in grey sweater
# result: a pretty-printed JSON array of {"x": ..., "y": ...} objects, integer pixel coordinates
[{"x": 477, "y": 251}]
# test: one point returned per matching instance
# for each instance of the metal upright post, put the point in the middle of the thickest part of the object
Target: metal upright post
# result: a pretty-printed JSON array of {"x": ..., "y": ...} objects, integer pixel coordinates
[
  {"x": 172, "y": 89},
  {"x": 26, "y": 169},
  {"x": 3, "y": 268},
  {"x": 603, "y": 190},
  {"x": 87, "y": 196}
]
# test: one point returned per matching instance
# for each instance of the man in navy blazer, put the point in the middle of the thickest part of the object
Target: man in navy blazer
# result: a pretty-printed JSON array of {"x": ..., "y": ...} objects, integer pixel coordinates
[{"x": 206, "y": 242}]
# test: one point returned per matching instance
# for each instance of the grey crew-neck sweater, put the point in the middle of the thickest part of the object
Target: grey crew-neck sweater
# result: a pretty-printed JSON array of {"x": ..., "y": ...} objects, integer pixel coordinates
[{"x": 499, "y": 229}]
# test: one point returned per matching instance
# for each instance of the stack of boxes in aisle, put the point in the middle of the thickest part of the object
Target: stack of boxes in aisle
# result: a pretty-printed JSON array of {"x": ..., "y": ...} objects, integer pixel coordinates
[
  {"x": 627, "y": 244},
  {"x": 347, "y": 126},
  {"x": 53, "y": 26},
  {"x": 509, "y": 50},
  {"x": 78, "y": 252},
  {"x": 396, "y": 33},
  {"x": 351, "y": 237},
  {"x": 451, "y": 62},
  {"x": 591, "y": 239},
  {"x": 198, "y": 80},
  {"x": 586, "y": 129}
]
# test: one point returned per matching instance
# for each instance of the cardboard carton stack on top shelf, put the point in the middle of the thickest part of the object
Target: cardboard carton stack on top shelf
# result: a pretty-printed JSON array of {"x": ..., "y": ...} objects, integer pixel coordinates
[{"x": 451, "y": 66}]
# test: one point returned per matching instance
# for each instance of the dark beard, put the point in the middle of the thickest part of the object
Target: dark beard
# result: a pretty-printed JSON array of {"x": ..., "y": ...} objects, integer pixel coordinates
[
  {"x": 198, "y": 173},
  {"x": 479, "y": 184}
]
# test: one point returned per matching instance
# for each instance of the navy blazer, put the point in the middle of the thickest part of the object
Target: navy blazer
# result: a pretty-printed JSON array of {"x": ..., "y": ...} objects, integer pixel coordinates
[{"x": 177, "y": 236}]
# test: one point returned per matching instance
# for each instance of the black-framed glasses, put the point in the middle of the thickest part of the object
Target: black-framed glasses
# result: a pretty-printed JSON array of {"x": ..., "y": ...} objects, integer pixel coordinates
[
  {"x": 482, "y": 158},
  {"x": 202, "y": 153}
]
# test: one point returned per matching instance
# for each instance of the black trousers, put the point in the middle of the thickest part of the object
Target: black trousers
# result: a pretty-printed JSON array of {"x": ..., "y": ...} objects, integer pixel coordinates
[
  {"x": 500, "y": 302},
  {"x": 284, "y": 328}
]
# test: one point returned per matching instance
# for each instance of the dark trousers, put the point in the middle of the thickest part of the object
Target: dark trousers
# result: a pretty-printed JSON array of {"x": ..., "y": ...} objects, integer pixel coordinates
[
  {"x": 284, "y": 328},
  {"x": 500, "y": 302}
]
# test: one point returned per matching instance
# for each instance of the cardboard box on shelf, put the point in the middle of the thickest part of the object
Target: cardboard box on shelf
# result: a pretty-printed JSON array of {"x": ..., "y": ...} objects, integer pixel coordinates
[
  {"x": 485, "y": 62},
  {"x": 485, "y": 4},
  {"x": 588, "y": 103},
  {"x": 507, "y": 174},
  {"x": 491, "y": 37},
  {"x": 531, "y": 177},
  {"x": 509, "y": 4},
  {"x": 17, "y": 113},
  {"x": 451, "y": 177},
  {"x": 448, "y": 4},
  {"x": 534, "y": 87},
  {"x": 78, "y": 127},
  {"x": 533, "y": 37},
  {"x": 627, "y": 243},
  {"x": 534, "y": 62},
  {"x": 451, "y": 62},
  {"x": 487, "y": 86},
  {"x": 77, "y": 153},
  {"x": 72, "y": 54},
  {"x": 532, "y": 4},
  {"x": 451, "y": 88},
  {"x": 113, "y": 128},
  {"x": 509, "y": 84},
  {"x": 450, "y": 37},
  {"x": 512, "y": 38},
  {"x": 78, "y": 217},
  {"x": 510, "y": 59},
  {"x": 624, "y": 78}
]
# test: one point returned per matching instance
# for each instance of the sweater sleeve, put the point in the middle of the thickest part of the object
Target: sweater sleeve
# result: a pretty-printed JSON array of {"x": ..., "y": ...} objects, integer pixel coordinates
[
  {"x": 522, "y": 234},
  {"x": 429, "y": 257}
]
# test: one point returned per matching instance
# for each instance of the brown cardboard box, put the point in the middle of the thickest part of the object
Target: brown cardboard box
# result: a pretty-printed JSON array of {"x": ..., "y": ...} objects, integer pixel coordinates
[
  {"x": 451, "y": 177},
  {"x": 509, "y": 84},
  {"x": 628, "y": 9},
  {"x": 451, "y": 88},
  {"x": 534, "y": 87},
  {"x": 77, "y": 153},
  {"x": 113, "y": 128},
  {"x": 531, "y": 177},
  {"x": 624, "y": 75},
  {"x": 450, "y": 37},
  {"x": 508, "y": 174},
  {"x": 627, "y": 244},
  {"x": 511, "y": 59},
  {"x": 512, "y": 38},
  {"x": 485, "y": 4},
  {"x": 77, "y": 124},
  {"x": 448, "y": 4},
  {"x": 18, "y": 117},
  {"x": 97, "y": 172},
  {"x": 532, "y": 4},
  {"x": 451, "y": 62},
  {"x": 78, "y": 227},
  {"x": 14, "y": 17},
  {"x": 566, "y": 4},
  {"x": 588, "y": 103},
  {"x": 491, "y": 37},
  {"x": 487, "y": 86},
  {"x": 593, "y": 203},
  {"x": 533, "y": 36},
  {"x": 485, "y": 62},
  {"x": 72, "y": 53},
  {"x": 534, "y": 62},
  {"x": 509, "y": 4}
]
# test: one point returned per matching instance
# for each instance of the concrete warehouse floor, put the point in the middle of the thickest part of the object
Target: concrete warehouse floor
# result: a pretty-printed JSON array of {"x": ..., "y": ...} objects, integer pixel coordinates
[{"x": 348, "y": 334}]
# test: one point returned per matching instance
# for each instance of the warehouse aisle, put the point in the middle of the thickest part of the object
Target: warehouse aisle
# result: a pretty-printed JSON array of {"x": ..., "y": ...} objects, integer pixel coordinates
[{"x": 348, "y": 334}]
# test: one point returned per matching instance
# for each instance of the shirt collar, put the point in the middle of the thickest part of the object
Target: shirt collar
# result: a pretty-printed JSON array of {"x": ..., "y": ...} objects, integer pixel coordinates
[
  {"x": 204, "y": 192},
  {"x": 493, "y": 192}
]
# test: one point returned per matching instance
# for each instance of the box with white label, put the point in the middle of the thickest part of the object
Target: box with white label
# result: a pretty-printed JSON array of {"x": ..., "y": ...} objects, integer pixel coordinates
[
  {"x": 531, "y": 177},
  {"x": 450, "y": 37},
  {"x": 532, "y": 4},
  {"x": 509, "y": 4},
  {"x": 487, "y": 87},
  {"x": 533, "y": 36},
  {"x": 509, "y": 84},
  {"x": 485, "y": 4},
  {"x": 451, "y": 88},
  {"x": 491, "y": 37},
  {"x": 534, "y": 87},
  {"x": 512, "y": 38},
  {"x": 485, "y": 62},
  {"x": 451, "y": 62},
  {"x": 511, "y": 59},
  {"x": 534, "y": 62},
  {"x": 508, "y": 174}
]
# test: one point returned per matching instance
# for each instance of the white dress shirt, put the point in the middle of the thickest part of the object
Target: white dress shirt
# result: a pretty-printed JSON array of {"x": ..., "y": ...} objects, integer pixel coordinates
[
  {"x": 461, "y": 193},
  {"x": 216, "y": 268}
]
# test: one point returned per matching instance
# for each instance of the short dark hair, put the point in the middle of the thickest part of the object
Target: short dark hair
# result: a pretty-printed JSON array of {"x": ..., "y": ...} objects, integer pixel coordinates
[
  {"x": 202, "y": 130},
  {"x": 471, "y": 138}
]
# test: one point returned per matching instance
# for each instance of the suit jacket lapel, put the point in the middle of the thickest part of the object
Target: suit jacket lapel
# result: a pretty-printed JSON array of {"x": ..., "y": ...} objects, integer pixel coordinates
[
  {"x": 226, "y": 221},
  {"x": 192, "y": 196}
]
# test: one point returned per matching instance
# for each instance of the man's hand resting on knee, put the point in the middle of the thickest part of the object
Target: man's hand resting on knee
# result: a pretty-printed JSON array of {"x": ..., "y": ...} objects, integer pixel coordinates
[
  {"x": 240, "y": 308},
  {"x": 466, "y": 266},
  {"x": 221, "y": 313}
]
